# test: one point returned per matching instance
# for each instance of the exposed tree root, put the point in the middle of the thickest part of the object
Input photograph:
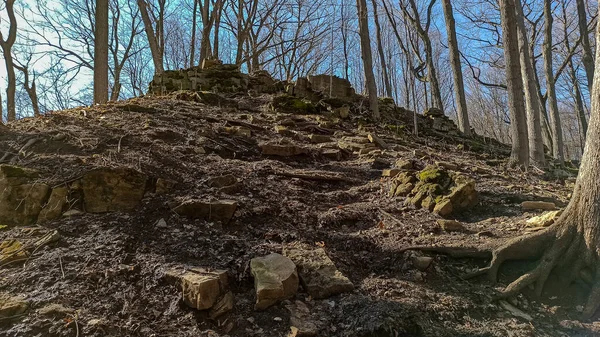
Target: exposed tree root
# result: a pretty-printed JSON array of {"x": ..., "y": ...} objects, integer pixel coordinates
[{"x": 560, "y": 249}]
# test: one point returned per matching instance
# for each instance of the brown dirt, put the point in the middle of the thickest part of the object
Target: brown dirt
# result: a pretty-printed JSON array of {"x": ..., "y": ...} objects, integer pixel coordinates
[{"x": 161, "y": 137}]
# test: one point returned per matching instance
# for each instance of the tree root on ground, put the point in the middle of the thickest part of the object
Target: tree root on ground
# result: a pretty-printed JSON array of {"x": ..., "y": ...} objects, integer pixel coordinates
[{"x": 560, "y": 248}]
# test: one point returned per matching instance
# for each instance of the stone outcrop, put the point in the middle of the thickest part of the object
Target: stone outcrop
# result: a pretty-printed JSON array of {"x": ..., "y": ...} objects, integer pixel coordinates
[
  {"x": 55, "y": 205},
  {"x": 441, "y": 122},
  {"x": 282, "y": 150},
  {"x": 215, "y": 77},
  {"x": 21, "y": 196},
  {"x": 113, "y": 190},
  {"x": 11, "y": 306},
  {"x": 318, "y": 273},
  {"x": 340, "y": 88},
  {"x": 275, "y": 279},
  {"x": 261, "y": 82},
  {"x": 203, "y": 288}
]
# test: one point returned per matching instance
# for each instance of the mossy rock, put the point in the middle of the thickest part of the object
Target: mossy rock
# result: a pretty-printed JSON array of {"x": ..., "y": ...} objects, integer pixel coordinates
[
  {"x": 294, "y": 105},
  {"x": 9, "y": 171}
]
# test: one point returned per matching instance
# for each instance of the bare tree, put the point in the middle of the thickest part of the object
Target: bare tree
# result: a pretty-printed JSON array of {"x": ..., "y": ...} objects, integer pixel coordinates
[
  {"x": 588, "y": 61},
  {"x": 514, "y": 81},
  {"x": 555, "y": 126},
  {"x": 6, "y": 44},
  {"x": 101, "y": 52},
  {"x": 384, "y": 69},
  {"x": 155, "y": 38},
  {"x": 459, "y": 87},
  {"x": 367, "y": 56}
]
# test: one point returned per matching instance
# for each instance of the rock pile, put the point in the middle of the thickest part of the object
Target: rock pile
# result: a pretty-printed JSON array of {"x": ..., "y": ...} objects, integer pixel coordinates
[
  {"x": 434, "y": 189},
  {"x": 216, "y": 77},
  {"x": 441, "y": 122}
]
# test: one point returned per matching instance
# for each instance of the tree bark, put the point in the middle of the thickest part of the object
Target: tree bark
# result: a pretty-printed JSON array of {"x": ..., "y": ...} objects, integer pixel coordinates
[
  {"x": 367, "y": 57},
  {"x": 193, "y": 40},
  {"x": 101, "y": 53},
  {"x": 588, "y": 61},
  {"x": 532, "y": 103},
  {"x": 514, "y": 81},
  {"x": 155, "y": 49},
  {"x": 30, "y": 88},
  {"x": 459, "y": 86},
  {"x": 6, "y": 45},
  {"x": 557, "y": 136},
  {"x": 384, "y": 71}
]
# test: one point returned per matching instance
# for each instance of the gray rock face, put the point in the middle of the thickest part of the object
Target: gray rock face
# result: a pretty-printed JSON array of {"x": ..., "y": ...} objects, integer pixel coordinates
[
  {"x": 275, "y": 279},
  {"x": 318, "y": 273}
]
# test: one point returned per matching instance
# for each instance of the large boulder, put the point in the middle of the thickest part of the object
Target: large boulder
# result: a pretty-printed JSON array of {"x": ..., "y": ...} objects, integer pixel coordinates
[
  {"x": 53, "y": 209},
  {"x": 113, "y": 190},
  {"x": 318, "y": 273},
  {"x": 21, "y": 196},
  {"x": 275, "y": 279}
]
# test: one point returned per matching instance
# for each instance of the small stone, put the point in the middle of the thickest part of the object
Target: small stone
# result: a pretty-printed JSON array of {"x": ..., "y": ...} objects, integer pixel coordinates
[
  {"x": 404, "y": 164},
  {"x": 282, "y": 130},
  {"x": 222, "y": 210},
  {"x": 443, "y": 208},
  {"x": 278, "y": 319},
  {"x": 275, "y": 279},
  {"x": 72, "y": 212},
  {"x": 12, "y": 250},
  {"x": 367, "y": 150},
  {"x": 391, "y": 172},
  {"x": 343, "y": 112},
  {"x": 422, "y": 262},
  {"x": 11, "y": 306},
  {"x": 538, "y": 205},
  {"x": 201, "y": 287},
  {"x": 161, "y": 224},
  {"x": 317, "y": 139},
  {"x": 333, "y": 154},
  {"x": 302, "y": 324},
  {"x": 318, "y": 273},
  {"x": 447, "y": 165},
  {"x": 55, "y": 310},
  {"x": 450, "y": 225},
  {"x": 404, "y": 189}
]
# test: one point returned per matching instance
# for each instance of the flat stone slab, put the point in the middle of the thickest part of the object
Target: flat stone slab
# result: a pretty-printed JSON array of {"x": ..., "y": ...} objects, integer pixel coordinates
[
  {"x": 201, "y": 288},
  {"x": 221, "y": 210},
  {"x": 318, "y": 273}
]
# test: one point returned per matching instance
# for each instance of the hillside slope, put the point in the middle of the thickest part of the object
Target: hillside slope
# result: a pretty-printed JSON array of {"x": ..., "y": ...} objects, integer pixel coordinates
[{"x": 213, "y": 182}]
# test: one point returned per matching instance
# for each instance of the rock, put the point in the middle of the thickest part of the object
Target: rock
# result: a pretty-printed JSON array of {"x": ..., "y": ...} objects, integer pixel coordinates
[
  {"x": 113, "y": 190},
  {"x": 55, "y": 310},
  {"x": 318, "y": 274},
  {"x": 161, "y": 224},
  {"x": 201, "y": 287},
  {"x": 55, "y": 205},
  {"x": 272, "y": 149},
  {"x": 11, "y": 306},
  {"x": 293, "y": 105},
  {"x": 222, "y": 210},
  {"x": 368, "y": 150},
  {"x": 164, "y": 186},
  {"x": 302, "y": 325},
  {"x": 447, "y": 165},
  {"x": 239, "y": 131},
  {"x": 515, "y": 311},
  {"x": 12, "y": 250},
  {"x": 443, "y": 208},
  {"x": 282, "y": 130},
  {"x": 21, "y": 197},
  {"x": 377, "y": 141},
  {"x": 451, "y": 225},
  {"x": 404, "y": 164},
  {"x": 333, "y": 154},
  {"x": 223, "y": 306},
  {"x": 538, "y": 205},
  {"x": 422, "y": 262},
  {"x": 319, "y": 139},
  {"x": 403, "y": 190},
  {"x": 275, "y": 279},
  {"x": 72, "y": 212},
  {"x": 544, "y": 220},
  {"x": 391, "y": 172},
  {"x": 343, "y": 112},
  {"x": 222, "y": 181}
]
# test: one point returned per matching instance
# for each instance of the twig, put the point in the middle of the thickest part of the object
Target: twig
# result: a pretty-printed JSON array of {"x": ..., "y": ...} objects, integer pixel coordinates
[{"x": 61, "y": 266}]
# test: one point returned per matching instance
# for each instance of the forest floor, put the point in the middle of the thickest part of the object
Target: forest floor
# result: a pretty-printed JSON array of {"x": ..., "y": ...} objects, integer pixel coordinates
[{"x": 340, "y": 204}]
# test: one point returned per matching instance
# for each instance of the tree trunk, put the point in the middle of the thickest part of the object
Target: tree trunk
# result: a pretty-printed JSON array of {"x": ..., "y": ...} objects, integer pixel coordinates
[
  {"x": 193, "y": 40},
  {"x": 30, "y": 88},
  {"x": 6, "y": 45},
  {"x": 571, "y": 246},
  {"x": 367, "y": 56},
  {"x": 459, "y": 86},
  {"x": 157, "y": 54},
  {"x": 384, "y": 71},
  {"x": 532, "y": 103},
  {"x": 101, "y": 53},
  {"x": 344, "y": 27},
  {"x": 588, "y": 61},
  {"x": 516, "y": 105},
  {"x": 557, "y": 136}
]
